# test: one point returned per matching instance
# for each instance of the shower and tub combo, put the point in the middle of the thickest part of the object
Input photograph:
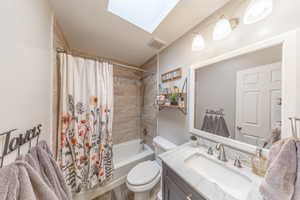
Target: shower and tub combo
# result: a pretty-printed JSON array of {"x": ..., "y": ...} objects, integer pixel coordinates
[
  {"x": 130, "y": 160},
  {"x": 126, "y": 156}
]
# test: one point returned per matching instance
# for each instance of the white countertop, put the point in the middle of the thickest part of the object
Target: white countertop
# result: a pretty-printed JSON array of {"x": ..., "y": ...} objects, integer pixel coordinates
[{"x": 209, "y": 190}]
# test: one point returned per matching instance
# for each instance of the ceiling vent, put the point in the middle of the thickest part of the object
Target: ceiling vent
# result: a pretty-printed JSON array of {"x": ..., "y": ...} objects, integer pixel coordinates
[{"x": 156, "y": 43}]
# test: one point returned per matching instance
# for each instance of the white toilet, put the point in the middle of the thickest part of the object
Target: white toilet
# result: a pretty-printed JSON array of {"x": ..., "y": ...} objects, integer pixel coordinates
[{"x": 143, "y": 177}]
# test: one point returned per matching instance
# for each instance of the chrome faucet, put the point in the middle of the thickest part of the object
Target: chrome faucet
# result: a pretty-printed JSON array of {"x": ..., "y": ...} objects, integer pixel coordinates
[
  {"x": 221, "y": 152},
  {"x": 143, "y": 141}
]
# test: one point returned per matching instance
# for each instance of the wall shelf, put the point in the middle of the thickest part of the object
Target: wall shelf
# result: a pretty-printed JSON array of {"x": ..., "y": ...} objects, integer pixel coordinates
[
  {"x": 182, "y": 109},
  {"x": 180, "y": 95}
]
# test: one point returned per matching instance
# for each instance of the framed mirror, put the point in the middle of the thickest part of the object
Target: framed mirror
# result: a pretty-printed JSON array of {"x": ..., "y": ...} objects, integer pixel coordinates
[{"x": 241, "y": 98}]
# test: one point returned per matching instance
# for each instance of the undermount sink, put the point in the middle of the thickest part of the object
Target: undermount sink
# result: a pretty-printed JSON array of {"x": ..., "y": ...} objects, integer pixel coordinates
[{"x": 225, "y": 177}]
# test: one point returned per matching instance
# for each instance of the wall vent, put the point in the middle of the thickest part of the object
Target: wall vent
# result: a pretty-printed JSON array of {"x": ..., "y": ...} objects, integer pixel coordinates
[{"x": 156, "y": 43}]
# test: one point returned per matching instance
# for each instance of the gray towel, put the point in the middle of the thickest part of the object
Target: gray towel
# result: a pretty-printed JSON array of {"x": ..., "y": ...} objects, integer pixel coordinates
[
  {"x": 215, "y": 124},
  {"x": 41, "y": 159},
  {"x": 221, "y": 127},
  {"x": 9, "y": 184},
  {"x": 205, "y": 123},
  {"x": 19, "y": 181},
  {"x": 210, "y": 126},
  {"x": 279, "y": 182}
]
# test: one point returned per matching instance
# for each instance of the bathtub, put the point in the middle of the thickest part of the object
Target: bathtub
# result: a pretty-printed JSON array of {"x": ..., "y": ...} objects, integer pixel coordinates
[
  {"x": 125, "y": 156},
  {"x": 130, "y": 152}
]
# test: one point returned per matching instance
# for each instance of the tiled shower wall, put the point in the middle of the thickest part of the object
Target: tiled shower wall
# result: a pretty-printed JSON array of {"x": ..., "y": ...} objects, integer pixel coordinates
[
  {"x": 135, "y": 112},
  {"x": 127, "y": 105},
  {"x": 149, "y": 109}
]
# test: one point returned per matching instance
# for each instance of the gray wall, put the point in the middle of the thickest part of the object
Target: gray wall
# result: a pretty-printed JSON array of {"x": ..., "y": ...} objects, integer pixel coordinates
[
  {"x": 285, "y": 17},
  {"x": 216, "y": 84}
]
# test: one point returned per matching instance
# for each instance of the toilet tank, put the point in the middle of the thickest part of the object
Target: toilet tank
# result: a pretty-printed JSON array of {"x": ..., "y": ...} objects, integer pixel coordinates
[{"x": 162, "y": 145}]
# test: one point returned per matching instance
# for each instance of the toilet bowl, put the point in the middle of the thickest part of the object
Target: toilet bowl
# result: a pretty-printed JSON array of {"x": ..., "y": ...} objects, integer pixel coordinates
[{"x": 143, "y": 177}]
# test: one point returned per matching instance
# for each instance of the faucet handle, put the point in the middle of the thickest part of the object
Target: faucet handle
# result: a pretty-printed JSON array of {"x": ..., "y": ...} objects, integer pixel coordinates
[
  {"x": 238, "y": 163},
  {"x": 210, "y": 151}
]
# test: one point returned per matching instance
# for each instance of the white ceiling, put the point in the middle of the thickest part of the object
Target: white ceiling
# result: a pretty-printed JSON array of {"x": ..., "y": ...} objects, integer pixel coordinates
[{"x": 88, "y": 26}]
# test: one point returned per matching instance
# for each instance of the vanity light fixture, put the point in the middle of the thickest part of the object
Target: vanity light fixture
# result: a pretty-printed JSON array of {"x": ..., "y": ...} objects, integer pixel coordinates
[
  {"x": 224, "y": 27},
  {"x": 258, "y": 10},
  {"x": 198, "y": 43}
]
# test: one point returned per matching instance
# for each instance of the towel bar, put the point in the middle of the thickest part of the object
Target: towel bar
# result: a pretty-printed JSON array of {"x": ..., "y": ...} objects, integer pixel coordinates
[{"x": 12, "y": 144}]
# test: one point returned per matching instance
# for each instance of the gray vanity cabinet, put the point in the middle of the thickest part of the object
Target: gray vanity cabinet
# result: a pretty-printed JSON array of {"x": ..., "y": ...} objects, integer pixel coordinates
[{"x": 174, "y": 188}]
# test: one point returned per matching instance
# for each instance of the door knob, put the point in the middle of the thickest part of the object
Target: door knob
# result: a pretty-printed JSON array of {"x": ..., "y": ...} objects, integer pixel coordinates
[
  {"x": 239, "y": 128},
  {"x": 189, "y": 197}
]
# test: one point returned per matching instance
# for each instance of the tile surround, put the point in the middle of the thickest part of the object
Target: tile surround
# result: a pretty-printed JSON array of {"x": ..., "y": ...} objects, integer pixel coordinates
[
  {"x": 231, "y": 153},
  {"x": 149, "y": 109},
  {"x": 127, "y": 108}
]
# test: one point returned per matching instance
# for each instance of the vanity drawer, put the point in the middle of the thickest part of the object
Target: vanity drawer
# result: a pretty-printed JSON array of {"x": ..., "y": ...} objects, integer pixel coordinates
[
  {"x": 175, "y": 188},
  {"x": 173, "y": 192}
]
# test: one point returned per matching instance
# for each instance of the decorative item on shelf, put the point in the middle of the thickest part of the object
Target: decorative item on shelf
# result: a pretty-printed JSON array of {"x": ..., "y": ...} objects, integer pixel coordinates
[
  {"x": 194, "y": 141},
  {"x": 160, "y": 100},
  {"x": 176, "y": 90},
  {"x": 173, "y": 98},
  {"x": 181, "y": 102},
  {"x": 167, "y": 103},
  {"x": 171, "y": 75}
]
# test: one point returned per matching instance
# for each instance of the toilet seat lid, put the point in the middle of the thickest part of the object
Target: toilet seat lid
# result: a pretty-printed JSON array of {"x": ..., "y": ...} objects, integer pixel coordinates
[{"x": 143, "y": 173}]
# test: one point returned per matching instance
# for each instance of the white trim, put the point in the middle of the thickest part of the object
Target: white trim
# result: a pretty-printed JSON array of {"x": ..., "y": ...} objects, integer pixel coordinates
[
  {"x": 52, "y": 68},
  {"x": 157, "y": 90},
  {"x": 289, "y": 90}
]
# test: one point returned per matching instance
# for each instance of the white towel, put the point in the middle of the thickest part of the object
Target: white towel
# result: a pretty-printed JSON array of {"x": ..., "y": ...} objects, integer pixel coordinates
[
  {"x": 279, "y": 182},
  {"x": 19, "y": 181}
]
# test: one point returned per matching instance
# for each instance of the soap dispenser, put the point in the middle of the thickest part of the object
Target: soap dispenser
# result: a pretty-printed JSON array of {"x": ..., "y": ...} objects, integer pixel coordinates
[{"x": 259, "y": 163}]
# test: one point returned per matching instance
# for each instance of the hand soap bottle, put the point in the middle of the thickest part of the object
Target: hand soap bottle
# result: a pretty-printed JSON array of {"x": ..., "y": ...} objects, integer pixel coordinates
[{"x": 259, "y": 163}]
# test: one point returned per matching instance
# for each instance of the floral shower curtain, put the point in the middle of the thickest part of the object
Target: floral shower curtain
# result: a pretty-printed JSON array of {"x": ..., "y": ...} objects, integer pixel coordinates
[{"x": 85, "y": 127}]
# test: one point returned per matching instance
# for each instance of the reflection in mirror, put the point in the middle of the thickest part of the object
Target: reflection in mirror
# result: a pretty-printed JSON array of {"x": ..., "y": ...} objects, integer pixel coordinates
[{"x": 240, "y": 98}]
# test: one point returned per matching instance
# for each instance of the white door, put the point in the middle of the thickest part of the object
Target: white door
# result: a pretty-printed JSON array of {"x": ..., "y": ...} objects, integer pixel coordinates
[{"x": 258, "y": 108}]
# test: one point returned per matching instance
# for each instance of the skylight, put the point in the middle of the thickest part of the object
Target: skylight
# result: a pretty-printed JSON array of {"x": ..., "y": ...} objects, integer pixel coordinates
[{"x": 146, "y": 14}]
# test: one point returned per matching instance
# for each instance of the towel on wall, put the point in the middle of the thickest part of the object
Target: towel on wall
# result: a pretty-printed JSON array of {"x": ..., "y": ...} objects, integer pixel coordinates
[
  {"x": 40, "y": 158},
  {"x": 215, "y": 122},
  {"x": 211, "y": 124},
  {"x": 279, "y": 182},
  {"x": 221, "y": 127},
  {"x": 205, "y": 123},
  {"x": 19, "y": 181}
]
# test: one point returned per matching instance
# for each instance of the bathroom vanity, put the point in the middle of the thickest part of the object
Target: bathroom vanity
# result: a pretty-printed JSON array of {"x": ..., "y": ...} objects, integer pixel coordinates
[
  {"x": 175, "y": 188},
  {"x": 190, "y": 173}
]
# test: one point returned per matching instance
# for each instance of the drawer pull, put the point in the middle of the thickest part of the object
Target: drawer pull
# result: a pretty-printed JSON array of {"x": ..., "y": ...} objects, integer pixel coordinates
[{"x": 189, "y": 197}]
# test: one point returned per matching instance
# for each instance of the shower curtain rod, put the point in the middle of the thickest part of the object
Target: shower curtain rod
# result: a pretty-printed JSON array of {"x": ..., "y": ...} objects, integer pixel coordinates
[{"x": 85, "y": 55}]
